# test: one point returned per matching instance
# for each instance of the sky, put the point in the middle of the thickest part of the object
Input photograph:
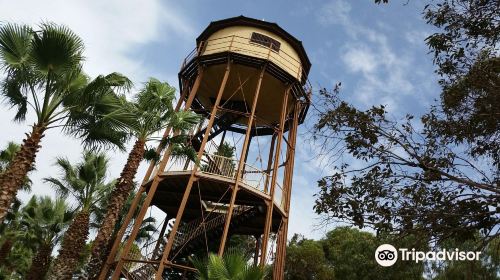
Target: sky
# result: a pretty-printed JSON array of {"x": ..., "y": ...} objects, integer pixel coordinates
[{"x": 377, "y": 52}]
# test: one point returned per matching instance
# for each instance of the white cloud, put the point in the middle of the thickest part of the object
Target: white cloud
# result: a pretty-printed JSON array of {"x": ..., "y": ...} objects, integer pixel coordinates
[
  {"x": 384, "y": 72},
  {"x": 417, "y": 37},
  {"x": 360, "y": 60},
  {"x": 113, "y": 32},
  {"x": 335, "y": 12}
]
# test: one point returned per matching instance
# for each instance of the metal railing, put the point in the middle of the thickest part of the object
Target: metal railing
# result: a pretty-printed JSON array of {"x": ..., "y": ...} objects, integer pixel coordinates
[
  {"x": 243, "y": 45},
  {"x": 213, "y": 164},
  {"x": 227, "y": 168}
]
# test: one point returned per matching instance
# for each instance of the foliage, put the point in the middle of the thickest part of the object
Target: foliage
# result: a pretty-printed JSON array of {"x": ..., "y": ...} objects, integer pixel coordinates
[
  {"x": 486, "y": 268},
  {"x": 242, "y": 243},
  {"x": 44, "y": 72},
  {"x": 147, "y": 228},
  {"x": 233, "y": 265},
  {"x": 413, "y": 182},
  {"x": 346, "y": 253},
  {"x": 44, "y": 220},
  {"x": 7, "y": 154},
  {"x": 438, "y": 177},
  {"x": 305, "y": 259},
  {"x": 6, "y": 157},
  {"x": 466, "y": 52},
  {"x": 151, "y": 111},
  {"x": 85, "y": 181},
  {"x": 17, "y": 259},
  {"x": 18, "y": 262}
]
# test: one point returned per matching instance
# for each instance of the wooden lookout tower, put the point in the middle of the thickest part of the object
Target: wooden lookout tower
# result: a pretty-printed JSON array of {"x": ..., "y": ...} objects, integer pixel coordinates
[{"x": 248, "y": 79}]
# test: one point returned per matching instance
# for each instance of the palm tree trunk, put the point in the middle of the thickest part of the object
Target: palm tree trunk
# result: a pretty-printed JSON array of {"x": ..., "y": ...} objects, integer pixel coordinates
[
  {"x": 40, "y": 263},
  {"x": 72, "y": 247},
  {"x": 115, "y": 204},
  {"x": 5, "y": 250},
  {"x": 15, "y": 175}
]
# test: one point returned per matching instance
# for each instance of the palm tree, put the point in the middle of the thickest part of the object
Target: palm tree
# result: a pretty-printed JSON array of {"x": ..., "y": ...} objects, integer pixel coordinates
[
  {"x": 17, "y": 263},
  {"x": 147, "y": 228},
  {"x": 86, "y": 183},
  {"x": 233, "y": 265},
  {"x": 6, "y": 157},
  {"x": 43, "y": 74},
  {"x": 43, "y": 221},
  {"x": 7, "y": 154},
  {"x": 9, "y": 232},
  {"x": 150, "y": 112}
]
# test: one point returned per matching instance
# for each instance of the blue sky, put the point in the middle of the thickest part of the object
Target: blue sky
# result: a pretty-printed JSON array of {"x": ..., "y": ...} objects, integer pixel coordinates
[{"x": 376, "y": 51}]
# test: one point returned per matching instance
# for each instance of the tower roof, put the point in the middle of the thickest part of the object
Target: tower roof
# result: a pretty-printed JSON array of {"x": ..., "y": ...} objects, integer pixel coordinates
[{"x": 214, "y": 26}]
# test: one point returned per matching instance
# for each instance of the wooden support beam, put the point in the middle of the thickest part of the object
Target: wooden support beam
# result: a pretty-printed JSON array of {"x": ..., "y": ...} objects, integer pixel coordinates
[
  {"x": 241, "y": 164},
  {"x": 149, "y": 197},
  {"x": 269, "y": 162},
  {"x": 287, "y": 192},
  {"x": 189, "y": 186},
  {"x": 270, "y": 204}
]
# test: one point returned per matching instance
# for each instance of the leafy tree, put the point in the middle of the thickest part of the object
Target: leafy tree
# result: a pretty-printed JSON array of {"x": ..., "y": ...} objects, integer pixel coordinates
[
  {"x": 86, "y": 183},
  {"x": 233, "y": 265},
  {"x": 351, "y": 252},
  {"x": 348, "y": 253},
  {"x": 413, "y": 182},
  {"x": 43, "y": 221},
  {"x": 43, "y": 74},
  {"x": 466, "y": 53},
  {"x": 242, "y": 243},
  {"x": 305, "y": 259},
  {"x": 440, "y": 180},
  {"x": 150, "y": 112},
  {"x": 486, "y": 268}
]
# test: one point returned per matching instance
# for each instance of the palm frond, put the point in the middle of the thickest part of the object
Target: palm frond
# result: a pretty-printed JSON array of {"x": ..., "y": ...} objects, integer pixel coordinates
[
  {"x": 7, "y": 154},
  {"x": 235, "y": 262},
  {"x": 156, "y": 96},
  {"x": 14, "y": 97},
  {"x": 184, "y": 152},
  {"x": 61, "y": 189},
  {"x": 151, "y": 155},
  {"x": 99, "y": 118},
  {"x": 201, "y": 267},
  {"x": 119, "y": 82},
  {"x": 217, "y": 268},
  {"x": 44, "y": 219},
  {"x": 85, "y": 181},
  {"x": 233, "y": 265},
  {"x": 184, "y": 120},
  {"x": 15, "y": 42},
  {"x": 56, "y": 49}
]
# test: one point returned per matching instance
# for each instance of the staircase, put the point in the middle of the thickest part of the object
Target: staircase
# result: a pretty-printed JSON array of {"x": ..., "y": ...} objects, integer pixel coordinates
[
  {"x": 191, "y": 236},
  {"x": 221, "y": 123}
]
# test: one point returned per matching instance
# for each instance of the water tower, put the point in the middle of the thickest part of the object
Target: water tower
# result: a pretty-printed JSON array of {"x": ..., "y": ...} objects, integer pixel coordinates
[{"x": 248, "y": 79}]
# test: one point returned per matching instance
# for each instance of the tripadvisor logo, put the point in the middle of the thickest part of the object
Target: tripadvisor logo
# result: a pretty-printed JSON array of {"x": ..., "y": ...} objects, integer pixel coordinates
[{"x": 387, "y": 255}]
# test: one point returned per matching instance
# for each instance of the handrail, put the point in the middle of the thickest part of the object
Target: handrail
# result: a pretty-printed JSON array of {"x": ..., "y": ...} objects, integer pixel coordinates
[
  {"x": 217, "y": 165},
  {"x": 236, "y": 43}
]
